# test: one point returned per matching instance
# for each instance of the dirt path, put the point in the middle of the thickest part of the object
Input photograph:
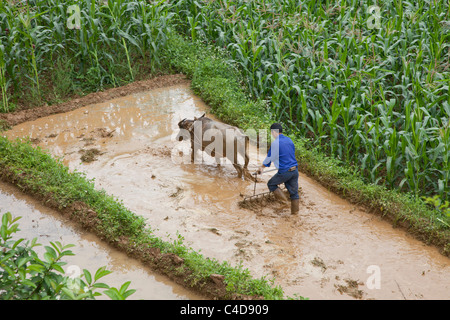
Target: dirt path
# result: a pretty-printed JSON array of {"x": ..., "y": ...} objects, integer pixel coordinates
[{"x": 331, "y": 250}]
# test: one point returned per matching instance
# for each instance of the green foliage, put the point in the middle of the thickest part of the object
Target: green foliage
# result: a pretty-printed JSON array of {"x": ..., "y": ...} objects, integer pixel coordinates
[
  {"x": 101, "y": 47},
  {"x": 26, "y": 276},
  {"x": 437, "y": 203},
  {"x": 443, "y": 208}
]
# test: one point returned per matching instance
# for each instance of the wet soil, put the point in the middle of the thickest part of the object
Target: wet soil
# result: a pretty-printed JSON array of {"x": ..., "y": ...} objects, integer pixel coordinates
[
  {"x": 15, "y": 118},
  {"x": 330, "y": 250}
]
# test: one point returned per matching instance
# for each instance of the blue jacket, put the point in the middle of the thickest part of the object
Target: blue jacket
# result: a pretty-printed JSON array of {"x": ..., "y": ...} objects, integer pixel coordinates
[{"x": 282, "y": 154}]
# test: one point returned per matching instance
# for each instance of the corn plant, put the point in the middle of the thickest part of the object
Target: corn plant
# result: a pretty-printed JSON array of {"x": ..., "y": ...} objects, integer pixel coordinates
[
  {"x": 103, "y": 48},
  {"x": 3, "y": 81}
]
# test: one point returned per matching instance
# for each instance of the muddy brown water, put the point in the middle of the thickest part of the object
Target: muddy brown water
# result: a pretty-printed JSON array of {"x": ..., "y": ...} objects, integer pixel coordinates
[{"x": 331, "y": 250}]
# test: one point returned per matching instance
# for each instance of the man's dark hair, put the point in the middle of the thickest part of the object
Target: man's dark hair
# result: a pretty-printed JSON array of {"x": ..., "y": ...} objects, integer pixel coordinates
[{"x": 277, "y": 126}]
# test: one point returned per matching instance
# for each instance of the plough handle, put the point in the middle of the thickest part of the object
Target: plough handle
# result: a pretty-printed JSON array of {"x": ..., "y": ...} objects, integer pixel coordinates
[{"x": 255, "y": 173}]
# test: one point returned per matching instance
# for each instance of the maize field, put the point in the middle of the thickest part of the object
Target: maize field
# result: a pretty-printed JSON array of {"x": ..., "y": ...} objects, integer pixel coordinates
[
  {"x": 364, "y": 81},
  {"x": 95, "y": 43}
]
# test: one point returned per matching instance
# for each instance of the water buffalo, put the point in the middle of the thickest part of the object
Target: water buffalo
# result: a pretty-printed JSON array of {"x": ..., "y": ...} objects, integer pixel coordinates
[{"x": 217, "y": 139}]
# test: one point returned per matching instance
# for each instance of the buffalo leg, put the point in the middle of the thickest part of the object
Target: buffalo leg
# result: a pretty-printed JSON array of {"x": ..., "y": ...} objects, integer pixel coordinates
[
  {"x": 192, "y": 152},
  {"x": 238, "y": 169},
  {"x": 247, "y": 173}
]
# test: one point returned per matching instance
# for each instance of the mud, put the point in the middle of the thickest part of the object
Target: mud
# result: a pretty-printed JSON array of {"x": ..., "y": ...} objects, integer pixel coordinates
[
  {"x": 330, "y": 250},
  {"x": 90, "y": 252},
  {"x": 89, "y": 155},
  {"x": 15, "y": 118}
]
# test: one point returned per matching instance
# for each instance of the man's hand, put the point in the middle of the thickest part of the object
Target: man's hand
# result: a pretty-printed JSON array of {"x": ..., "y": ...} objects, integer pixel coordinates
[{"x": 260, "y": 169}]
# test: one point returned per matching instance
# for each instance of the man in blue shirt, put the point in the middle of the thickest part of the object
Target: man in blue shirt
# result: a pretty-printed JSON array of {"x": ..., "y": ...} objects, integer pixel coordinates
[{"x": 282, "y": 154}]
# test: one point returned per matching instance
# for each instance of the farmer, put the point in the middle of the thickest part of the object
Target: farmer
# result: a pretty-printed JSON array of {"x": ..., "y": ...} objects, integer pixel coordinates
[{"x": 282, "y": 154}]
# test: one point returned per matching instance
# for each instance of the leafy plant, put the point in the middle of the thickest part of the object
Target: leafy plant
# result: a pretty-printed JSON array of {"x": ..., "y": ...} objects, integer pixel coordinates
[
  {"x": 26, "y": 276},
  {"x": 442, "y": 207}
]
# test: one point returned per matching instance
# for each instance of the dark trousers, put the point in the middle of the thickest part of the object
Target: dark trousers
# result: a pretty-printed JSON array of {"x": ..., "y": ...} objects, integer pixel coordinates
[{"x": 290, "y": 180}]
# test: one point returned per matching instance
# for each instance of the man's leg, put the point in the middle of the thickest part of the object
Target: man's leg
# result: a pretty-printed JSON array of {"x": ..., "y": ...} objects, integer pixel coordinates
[
  {"x": 292, "y": 186},
  {"x": 273, "y": 183}
]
